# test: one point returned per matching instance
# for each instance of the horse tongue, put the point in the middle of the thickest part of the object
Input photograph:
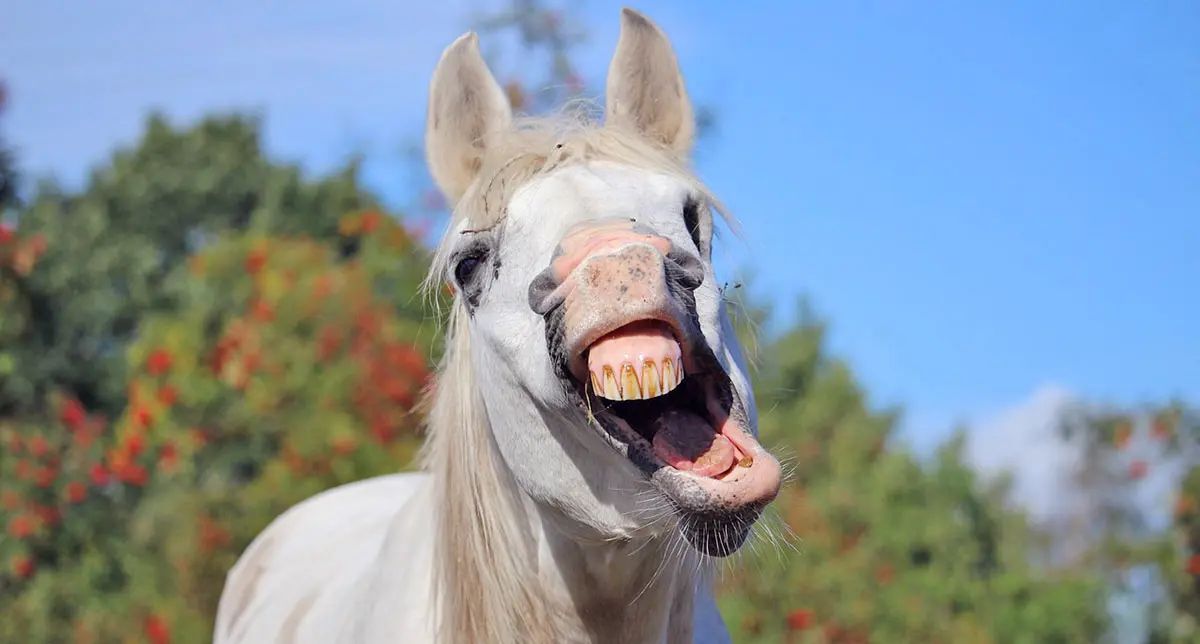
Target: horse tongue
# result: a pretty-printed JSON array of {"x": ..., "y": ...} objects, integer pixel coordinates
[{"x": 687, "y": 442}]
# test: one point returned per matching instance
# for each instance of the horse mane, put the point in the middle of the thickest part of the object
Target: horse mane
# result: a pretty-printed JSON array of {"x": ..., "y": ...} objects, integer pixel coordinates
[
  {"x": 485, "y": 577},
  {"x": 485, "y": 585}
]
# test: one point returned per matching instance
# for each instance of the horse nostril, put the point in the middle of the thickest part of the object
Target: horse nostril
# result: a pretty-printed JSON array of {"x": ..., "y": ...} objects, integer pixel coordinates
[
  {"x": 543, "y": 295},
  {"x": 685, "y": 268}
]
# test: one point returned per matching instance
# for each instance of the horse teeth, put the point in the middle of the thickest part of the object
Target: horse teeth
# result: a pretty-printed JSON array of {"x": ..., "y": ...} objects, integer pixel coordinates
[
  {"x": 671, "y": 376},
  {"x": 653, "y": 381},
  {"x": 631, "y": 389},
  {"x": 611, "y": 390},
  {"x": 650, "y": 388}
]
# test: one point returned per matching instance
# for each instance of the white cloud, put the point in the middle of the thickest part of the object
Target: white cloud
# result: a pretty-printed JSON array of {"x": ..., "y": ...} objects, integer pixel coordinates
[{"x": 1025, "y": 440}]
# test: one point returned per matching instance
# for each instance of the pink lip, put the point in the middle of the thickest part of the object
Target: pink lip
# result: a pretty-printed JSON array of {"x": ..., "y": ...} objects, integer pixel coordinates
[
  {"x": 753, "y": 483},
  {"x": 755, "y": 477}
]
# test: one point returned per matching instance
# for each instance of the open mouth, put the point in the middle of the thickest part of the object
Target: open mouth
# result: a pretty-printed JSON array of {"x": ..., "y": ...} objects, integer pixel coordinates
[
  {"x": 670, "y": 407},
  {"x": 638, "y": 380}
]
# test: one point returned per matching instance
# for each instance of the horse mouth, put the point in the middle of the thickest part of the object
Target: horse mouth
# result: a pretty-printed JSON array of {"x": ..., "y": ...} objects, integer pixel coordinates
[
  {"x": 677, "y": 424},
  {"x": 670, "y": 407}
]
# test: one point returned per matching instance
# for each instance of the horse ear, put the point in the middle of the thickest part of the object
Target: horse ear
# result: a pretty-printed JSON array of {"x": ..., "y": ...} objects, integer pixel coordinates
[
  {"x": 645, "y": 89},
  {"x": 467, "y": 108}
]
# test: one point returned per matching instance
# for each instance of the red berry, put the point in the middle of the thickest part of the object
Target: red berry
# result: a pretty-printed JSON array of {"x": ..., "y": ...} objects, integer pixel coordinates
[
  {"x": 800, "y": 619},
  {"x": 158, "y": 362},
  {"x": 23, "y": 566}
]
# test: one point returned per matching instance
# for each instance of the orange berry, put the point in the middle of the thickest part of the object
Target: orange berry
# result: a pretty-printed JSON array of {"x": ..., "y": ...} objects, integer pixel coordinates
[
  {"x": 73, "y": 414},
  {"x": 800, "y": 619},
  {"x": 167, "y": 395},
  {"x": 344, "y": 445},
  {"x": 1193, "y": 565},
  {"x": 23, "y": 566},
  {"x": 21, "y": 526},
  {"x": 370, "y": 221},
  {"x": 156, "y": 629},
  {"x": 75, "y": 492},
  {"x": 158, "y": 362},
  {"x": 255, "y": 261}
]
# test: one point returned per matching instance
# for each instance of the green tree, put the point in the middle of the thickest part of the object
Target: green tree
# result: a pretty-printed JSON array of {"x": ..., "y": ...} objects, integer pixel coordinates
[
  {"x": 102, "y": 289},
  {"x": 136, "y": 220},
  {"x": 8, "y": 166},
  {"x": 1140, "y": 473},
  {"x": 885, "y": 548},
  {"x": 285, "y": 370}
]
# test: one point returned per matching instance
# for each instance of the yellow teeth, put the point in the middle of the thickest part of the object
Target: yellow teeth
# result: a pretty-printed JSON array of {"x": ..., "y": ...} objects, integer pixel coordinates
[
  {"x": 611, "y": 389},
  {"x": 650, "y": 384},
  {"x": 653, "y": 381},
  {"x": 670, "y": 375}
]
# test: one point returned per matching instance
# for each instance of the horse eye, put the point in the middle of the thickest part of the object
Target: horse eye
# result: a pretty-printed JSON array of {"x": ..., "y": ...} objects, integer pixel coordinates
[
  {"x": 691, "y": 219},
  {"x": 465, "y": 270}
]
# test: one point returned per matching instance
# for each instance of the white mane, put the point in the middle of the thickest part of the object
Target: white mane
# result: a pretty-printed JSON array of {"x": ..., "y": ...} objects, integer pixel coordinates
[{"x": 484, "y": 576}]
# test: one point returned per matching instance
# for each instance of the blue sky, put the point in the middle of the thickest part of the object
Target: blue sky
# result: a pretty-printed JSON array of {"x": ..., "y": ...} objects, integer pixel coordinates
[{"x": 985, "y": 199}]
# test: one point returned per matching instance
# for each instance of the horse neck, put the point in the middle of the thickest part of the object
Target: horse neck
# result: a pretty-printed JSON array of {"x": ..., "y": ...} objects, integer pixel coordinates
[
  {"x": 509, "y": 571},
  {"x": 619, "y": 591},
  {"x": 505, "y": 571}
]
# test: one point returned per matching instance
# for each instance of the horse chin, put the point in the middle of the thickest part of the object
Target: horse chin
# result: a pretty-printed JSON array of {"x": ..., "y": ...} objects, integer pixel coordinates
[
  {"x": 694, "y": 445},
  {"x": 718, "y": 536}
]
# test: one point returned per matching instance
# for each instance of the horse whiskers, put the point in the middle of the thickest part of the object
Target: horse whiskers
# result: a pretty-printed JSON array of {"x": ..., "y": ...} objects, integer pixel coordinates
[{"x": 674, "y": 556}]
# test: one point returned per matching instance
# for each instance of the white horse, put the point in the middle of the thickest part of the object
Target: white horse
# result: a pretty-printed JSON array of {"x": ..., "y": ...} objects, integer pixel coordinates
[{"x": 591, "y": 448}]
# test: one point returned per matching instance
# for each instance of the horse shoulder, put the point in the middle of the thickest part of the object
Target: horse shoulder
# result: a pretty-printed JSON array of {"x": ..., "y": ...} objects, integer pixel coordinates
[{"x": 314, "y": 554}]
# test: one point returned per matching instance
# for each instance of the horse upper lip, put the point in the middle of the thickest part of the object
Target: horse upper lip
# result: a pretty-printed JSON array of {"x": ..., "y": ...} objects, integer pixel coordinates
[{"x": 577, "y": 362}]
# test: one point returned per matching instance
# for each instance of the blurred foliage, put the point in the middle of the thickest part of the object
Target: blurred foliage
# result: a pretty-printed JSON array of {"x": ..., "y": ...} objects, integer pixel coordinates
[
  {"x": 1140, "y": 517},
  {"x": 287, "y": 368},
  {"x": 868, "y": 545},
  {"x": 201, "y": 336},
  {"x": 136, "y": 220},
  {"x": 9, "y": 178},
  {"x": 195, "y": 341}
]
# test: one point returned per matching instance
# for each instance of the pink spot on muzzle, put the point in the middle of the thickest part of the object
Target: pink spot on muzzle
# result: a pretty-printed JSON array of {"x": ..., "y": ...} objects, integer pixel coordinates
[{"x": 611, "y": 276}]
